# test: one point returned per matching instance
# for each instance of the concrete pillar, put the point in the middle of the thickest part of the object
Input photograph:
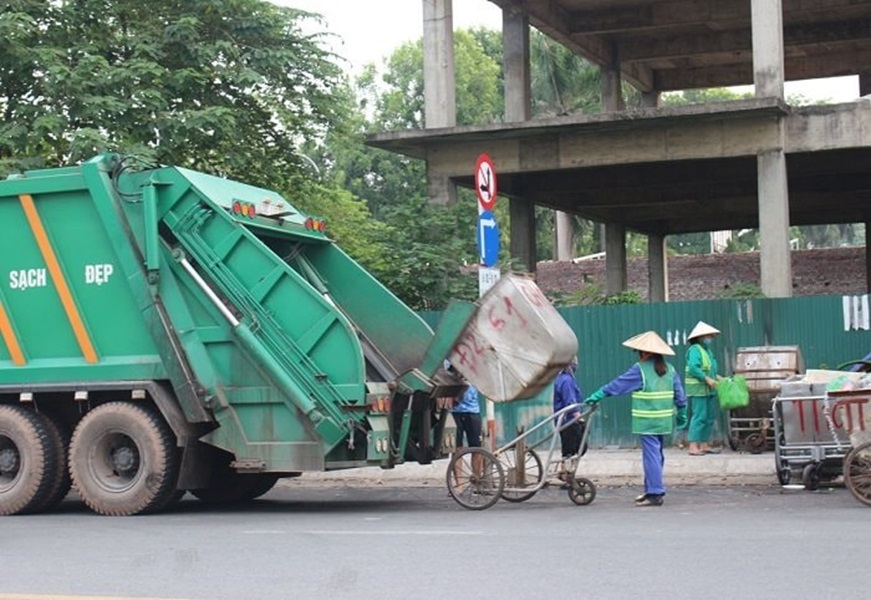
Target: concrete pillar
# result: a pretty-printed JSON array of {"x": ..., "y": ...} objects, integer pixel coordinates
[
  {"x": 614, "y": 234},
  {"x": 650, "y": 99},
  {"x": 439, "y": 86},
  {"x": 615, "y": 258},
  {"x": 563, "y": 225},
  {"x": 440, "y": 189},
  {"x": 775, "y": 262},
  {"x": 865, "y": 83},
  {"x": 612, "y": 85},
  {"x": 774, "y": 257},
  {"x": 521, "y": 213},
  {"x": 657, "y": 269},
  {"x": 515, "y": 53},
  {"x": 767, "y": 24},
  {"x": 868, "y": 255},
  {"x": 518, "y": 107}
]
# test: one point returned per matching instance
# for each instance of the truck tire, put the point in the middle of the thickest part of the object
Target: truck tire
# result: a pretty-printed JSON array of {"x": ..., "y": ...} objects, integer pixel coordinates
[
  {"x": 28, "y": 461},
  {"x": 123, "y": 460},
  {"x": 230, "y": 488},
  {"x": 262, "y": 484},
  {"x": 61, "y": 482}
]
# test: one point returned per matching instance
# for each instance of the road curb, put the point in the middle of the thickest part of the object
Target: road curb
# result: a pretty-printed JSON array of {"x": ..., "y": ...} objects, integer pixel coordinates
[{"x": 606, "y": 467}]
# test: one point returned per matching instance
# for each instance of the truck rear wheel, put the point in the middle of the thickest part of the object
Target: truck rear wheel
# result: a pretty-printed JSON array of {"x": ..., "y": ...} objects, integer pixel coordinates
[
  {"x": 28, "y": 461},
  {"x": 231, "y": 488},
  {"x": 59, "y": 437},
  {"x": 123, "y": 460}
]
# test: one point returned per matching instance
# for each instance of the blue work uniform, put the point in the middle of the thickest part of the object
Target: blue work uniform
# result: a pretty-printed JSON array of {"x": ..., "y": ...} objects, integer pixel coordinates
[
  {"x": 566, "y": 392},
  {"x": 653, "y": 412}
]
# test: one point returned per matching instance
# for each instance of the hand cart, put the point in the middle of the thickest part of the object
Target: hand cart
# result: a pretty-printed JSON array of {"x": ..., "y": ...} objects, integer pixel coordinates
[
  {"x": 478, "y": 478},
  {"x": 813, "y": 428},
  {"x": 764, "y": 368},
  {"x": 857, "y": 463}
]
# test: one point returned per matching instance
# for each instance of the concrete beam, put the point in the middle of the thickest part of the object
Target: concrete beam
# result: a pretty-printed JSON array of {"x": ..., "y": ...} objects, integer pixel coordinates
[
  {"x": 682, "y": 139},
  {"x": 552, "y": 21},
  {"x": 654, "y": 16},
  {"x": 805, "y": 36},
  {"x": 795, "y": 68},
  {"x": 440, "y": 106},
  {"x": 650, "y": 17}
]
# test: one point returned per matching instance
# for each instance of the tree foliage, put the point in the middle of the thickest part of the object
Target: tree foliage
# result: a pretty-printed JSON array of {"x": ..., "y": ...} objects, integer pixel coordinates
[{"x": 226, "y": 86}]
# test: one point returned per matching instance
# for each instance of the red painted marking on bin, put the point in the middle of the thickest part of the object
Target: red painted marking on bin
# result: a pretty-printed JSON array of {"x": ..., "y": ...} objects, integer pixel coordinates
[
  {"x": 9, "y": 337},
  {"x": 57, "y": 277}
]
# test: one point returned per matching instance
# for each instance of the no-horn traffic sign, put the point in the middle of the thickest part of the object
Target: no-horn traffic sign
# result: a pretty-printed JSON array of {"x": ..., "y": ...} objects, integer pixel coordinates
[{"x": 485, "y": 182}]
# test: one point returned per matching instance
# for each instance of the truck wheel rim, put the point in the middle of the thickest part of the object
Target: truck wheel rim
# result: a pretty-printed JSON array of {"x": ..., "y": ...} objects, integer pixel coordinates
[
  {"x": 117, "y": 464},
  {"x": 10, "y": 463}
]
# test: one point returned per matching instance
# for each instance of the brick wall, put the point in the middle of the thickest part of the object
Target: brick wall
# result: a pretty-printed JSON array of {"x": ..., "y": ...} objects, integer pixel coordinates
[{"x": 834, "y": 271}]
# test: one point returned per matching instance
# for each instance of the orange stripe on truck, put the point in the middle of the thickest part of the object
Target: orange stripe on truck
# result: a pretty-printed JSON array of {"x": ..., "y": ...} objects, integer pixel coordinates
[
  {"x": 9, "y": 337},
  {"x": 57, "y": 277}
]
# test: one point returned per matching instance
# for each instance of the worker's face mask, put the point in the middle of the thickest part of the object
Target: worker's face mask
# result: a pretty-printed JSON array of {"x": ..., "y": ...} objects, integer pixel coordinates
[{"x": 706, "y": 342}]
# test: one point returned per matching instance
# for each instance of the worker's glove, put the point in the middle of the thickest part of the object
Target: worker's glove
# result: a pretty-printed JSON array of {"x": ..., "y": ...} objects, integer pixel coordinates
[
  {"x": 595, "y": 397},
  {"x": 681, "y": 420}
]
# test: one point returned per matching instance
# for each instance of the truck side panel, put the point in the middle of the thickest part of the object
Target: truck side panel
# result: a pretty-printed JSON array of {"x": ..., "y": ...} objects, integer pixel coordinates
[{"x": 65, "y": 302}]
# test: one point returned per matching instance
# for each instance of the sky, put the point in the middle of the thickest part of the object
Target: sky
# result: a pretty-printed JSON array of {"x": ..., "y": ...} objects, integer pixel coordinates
[{"x": 369, "y": 30}]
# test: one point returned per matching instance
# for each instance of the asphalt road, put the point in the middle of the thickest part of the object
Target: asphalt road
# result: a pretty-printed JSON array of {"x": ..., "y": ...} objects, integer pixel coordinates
[{"x": 399, "y": 543}]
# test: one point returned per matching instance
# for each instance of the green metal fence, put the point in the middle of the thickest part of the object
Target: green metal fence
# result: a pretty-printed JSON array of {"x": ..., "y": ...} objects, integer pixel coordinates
[{"x": 829, "y": 330}]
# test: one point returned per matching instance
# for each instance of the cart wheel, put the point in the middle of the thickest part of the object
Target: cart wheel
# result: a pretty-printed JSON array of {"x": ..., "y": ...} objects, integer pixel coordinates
[
  {"x": 857, "y": 472},
  {"x": 755, "y": 442},
  {"x": 524, "y": 476},
  {"x": 781, "y": 467},
  {"x": 810, "y": 476},
  {"x": 475, "y": 478},
  {"x": 734, "y": 442},
  {"x": 582, "y": 491}
]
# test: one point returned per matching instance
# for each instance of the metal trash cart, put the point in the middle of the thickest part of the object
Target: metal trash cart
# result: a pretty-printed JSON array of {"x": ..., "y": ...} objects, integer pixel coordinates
[
  {"x": 764, "y": 368},
  {"x": 478, "y": 478},
  {"x": 813, "y": 428}
]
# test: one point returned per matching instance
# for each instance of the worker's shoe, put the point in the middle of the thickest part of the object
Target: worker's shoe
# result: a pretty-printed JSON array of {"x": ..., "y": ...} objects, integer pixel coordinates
[
  {"x": 640, "y": 498},
  {"x": 649, "y": 500}
]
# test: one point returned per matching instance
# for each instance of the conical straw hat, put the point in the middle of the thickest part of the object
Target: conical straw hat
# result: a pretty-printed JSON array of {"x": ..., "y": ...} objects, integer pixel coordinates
[
  {"x": 649, "y": 341},
  {"x": 701, "y": 329}
]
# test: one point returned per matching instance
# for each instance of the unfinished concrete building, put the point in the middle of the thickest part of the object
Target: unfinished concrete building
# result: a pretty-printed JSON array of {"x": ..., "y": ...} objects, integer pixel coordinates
[{"x": 757, "y": 163}]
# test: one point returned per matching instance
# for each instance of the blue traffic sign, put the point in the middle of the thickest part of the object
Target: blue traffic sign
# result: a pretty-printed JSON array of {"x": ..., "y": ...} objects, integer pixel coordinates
[{"x": 488, "y": 239}]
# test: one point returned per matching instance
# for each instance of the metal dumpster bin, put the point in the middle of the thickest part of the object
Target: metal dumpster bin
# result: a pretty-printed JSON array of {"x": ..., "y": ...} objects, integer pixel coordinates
[
  {"x": 764, "y": 368},
  {"x": 814, "y": 427}
]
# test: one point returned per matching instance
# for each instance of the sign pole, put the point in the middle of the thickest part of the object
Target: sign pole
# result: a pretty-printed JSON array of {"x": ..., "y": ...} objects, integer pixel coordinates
[{"x": 488, "y": 253}]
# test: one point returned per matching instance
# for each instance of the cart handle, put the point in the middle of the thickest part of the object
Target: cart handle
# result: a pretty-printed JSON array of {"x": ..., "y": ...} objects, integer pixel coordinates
[{"x": 586, "y": 411}]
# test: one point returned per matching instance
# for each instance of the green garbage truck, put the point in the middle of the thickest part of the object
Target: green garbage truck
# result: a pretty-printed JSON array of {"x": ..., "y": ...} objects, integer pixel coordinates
[{"x": 165, "y": 330}]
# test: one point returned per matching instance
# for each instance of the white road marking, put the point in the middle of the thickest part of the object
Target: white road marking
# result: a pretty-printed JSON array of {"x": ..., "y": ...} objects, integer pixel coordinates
[
  {"x": 66, "y": 597},
  {"x": 260, "y": 532},
  {"x": 395, "y": 532}
]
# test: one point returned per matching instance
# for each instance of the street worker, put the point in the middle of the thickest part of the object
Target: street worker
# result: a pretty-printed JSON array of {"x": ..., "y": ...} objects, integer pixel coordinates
[
  {"x": 566, "y": 392},
  {"x": 657, "y": 399},
  {"x": 700, "y": 382},
  {"x": 467, "y": 417}
]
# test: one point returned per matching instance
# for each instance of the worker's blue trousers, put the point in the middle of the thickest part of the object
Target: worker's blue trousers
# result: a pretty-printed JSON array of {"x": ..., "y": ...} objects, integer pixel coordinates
[{"x": 653, "y": 461}]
